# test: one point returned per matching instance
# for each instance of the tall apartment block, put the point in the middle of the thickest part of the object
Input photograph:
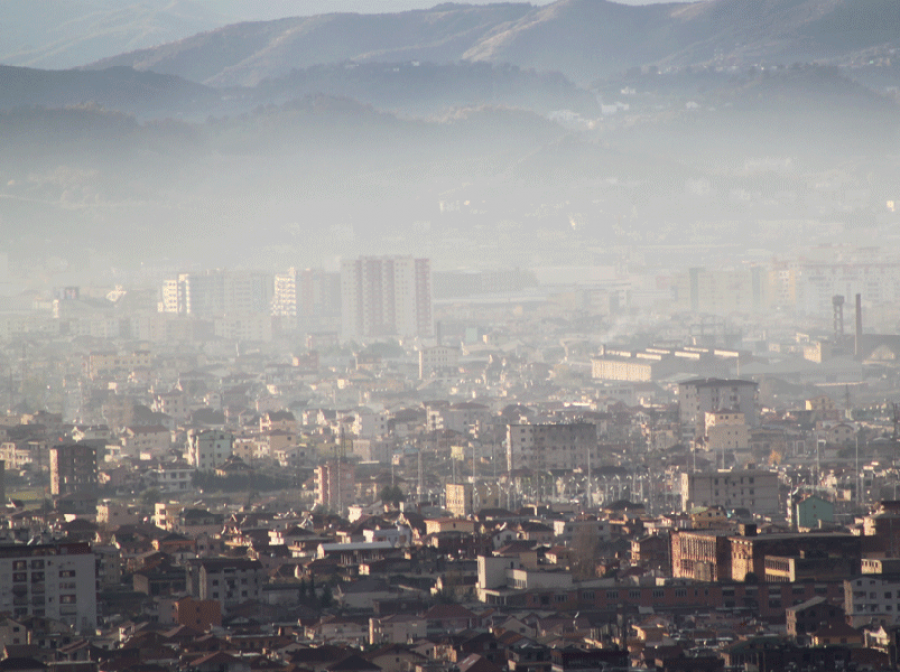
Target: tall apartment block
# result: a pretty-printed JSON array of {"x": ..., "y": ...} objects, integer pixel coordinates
[
  {"x": 335, "y": 484},
  {"x": 217, "y": 292},
  {"x": 550, "y": 446},
  {"x": 309, "y": 296},
  {"x": 56, "y": 581},
  {"x": 386, "y": 296},
  {"x": 73, "y": 468},
  {"x": 698, "y": 397}
]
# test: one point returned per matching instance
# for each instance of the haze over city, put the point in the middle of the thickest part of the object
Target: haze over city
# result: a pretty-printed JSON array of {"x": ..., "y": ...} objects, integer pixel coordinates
[{"x": 394, "y": 336}]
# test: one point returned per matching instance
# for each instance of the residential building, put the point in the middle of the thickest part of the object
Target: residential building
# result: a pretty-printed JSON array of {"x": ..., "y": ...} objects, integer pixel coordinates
[
  {"x": 386, "y": 296},
  {"x": 753, "y": 489},
  {"x": 462, "y": 417},
  {"x": 169, "y": 477},
  {"x": 56, "y": 580},
  {"x": 208, "y": 450},
  {"x": 700, "y": 396},
  {"x": 308, "y": 296},
  {"x": 809, "y": 511},
  {"x": 150, "y": 439},
  {"x": 100, "y": 364},
  {"x": 73, "y": 469},
  {"x": 870, "y": 598},
  {"x": 437, "y": 359},
  {"x": 216, "y": 292},
  {"x": 464, "y": 499},
  {"x": 335, "y": 484},
  {"x": 228, "y": 581},
  {"x": 549, "y": 446},
  {"x": 726, "y": 431}
]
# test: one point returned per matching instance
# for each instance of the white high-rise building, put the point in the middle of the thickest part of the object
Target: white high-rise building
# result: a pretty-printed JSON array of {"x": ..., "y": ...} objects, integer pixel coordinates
[{"x": 386, "y": 296}]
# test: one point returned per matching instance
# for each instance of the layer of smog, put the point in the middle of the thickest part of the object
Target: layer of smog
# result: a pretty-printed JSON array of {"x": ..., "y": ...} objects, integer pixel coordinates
[{"x": 350, "y": 336}]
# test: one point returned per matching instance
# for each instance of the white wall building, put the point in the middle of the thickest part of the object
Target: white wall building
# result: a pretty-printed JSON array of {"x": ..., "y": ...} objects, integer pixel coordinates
[
  {"x": 56, "y": 581},
  {"x": 756, "y": 490},
  {"x": 209, "y": 449}
]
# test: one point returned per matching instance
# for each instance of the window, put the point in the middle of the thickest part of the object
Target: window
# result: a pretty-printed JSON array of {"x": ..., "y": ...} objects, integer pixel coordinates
[
  {"x": 67, "y": 599},
  {"x": 67, "y": 573}
]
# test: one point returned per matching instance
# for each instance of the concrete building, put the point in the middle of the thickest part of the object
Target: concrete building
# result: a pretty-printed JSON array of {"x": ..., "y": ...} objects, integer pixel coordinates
[
  {"x": 726, "y": 430},
  {"x": 870, "y": 598},
  {"x": 209, "y": 449},
  {"x": 464, "y": 499},
  {"x": 54, "y": 581},
  {"x": 549, "y": 446},
  {"x": 700, "y": 396},
  {"x": 73, "y": 469},
  {"x": 806, "y": 512},
  {"x": 397, "y": 629},
  {"x": 702, "y": 555},
  {"x": 462, "y": 417},
  {"x": 749, "y": 553},
  {"x": 217, "y": 292},
  {"x": 756, "y": 490},
  {"x": 721, "y": 292},
  {"x": 151, "y": 439},
  {"x": 335, "y": 484},
  {"x": 228, "y": 581},
  {"x": 169, "y": 477},
  {"x": 567, "y": 532},
  {"x": 100, "y": 364},
  {"x": 633, "y": 367},
  {"x": 437, "y": 359},
  {"x": 386, "y": 296},
  {"x": 306, "y": 296}
]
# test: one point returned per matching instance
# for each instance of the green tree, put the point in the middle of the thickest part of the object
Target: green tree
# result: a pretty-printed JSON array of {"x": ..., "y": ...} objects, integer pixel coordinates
[
  {"x": 326, "y": 599},
  {"x": 392, "y": 494},
  {"x": 150, "y": 496}
]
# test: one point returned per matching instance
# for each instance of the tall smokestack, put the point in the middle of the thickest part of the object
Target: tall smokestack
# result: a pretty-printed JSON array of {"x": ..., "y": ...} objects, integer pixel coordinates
[{"x": 856, "y": 343}]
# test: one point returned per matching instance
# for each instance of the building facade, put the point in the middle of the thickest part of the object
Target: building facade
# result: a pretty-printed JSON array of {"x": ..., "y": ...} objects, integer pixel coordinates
[
  {"x": 549, "y": 446},
  {"x": 756, "y": 490},
  {"x": 335, "y": 483},
  {"x": 210, "y": 449},
  {"x": 386, "y": 296},
  {"x": 228, "y": 581},
  {"x": 73, "y": 468},
  {"x": 698, "y": 397},
  {"x": 55, "y": 581}
]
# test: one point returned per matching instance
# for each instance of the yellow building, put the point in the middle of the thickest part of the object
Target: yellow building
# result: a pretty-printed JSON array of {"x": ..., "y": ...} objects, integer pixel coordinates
[
  {"x": 464, "y": 499},
  {"x": 437, "y": 525},
  {"x": 726, "y": 430}
]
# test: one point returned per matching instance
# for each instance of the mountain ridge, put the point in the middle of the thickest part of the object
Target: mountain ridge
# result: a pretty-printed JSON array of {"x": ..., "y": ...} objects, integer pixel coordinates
[{"x": 583, "y": 39}]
